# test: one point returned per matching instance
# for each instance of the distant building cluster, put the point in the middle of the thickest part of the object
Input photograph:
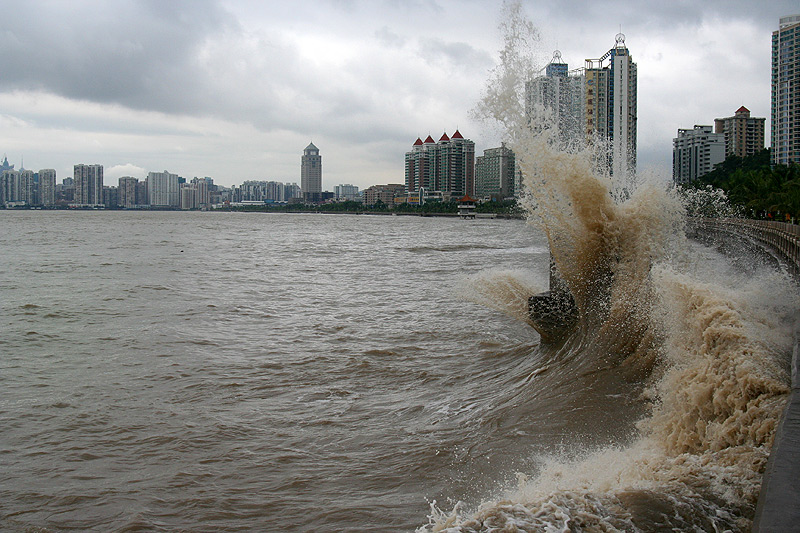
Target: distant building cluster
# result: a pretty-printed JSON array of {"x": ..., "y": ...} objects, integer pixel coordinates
[
  {"x": 161, "y": 190},
  {"x": 696, "y": 151},
  {"x": 593, "y": 105}
]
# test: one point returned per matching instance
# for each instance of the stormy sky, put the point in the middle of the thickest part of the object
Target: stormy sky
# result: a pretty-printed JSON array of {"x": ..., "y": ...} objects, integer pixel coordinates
[{"x": 235, "y": 89}]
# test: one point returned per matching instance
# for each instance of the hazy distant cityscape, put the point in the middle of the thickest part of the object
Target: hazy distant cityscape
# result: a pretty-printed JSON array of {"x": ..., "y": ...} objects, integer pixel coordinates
[{"x": 598, "y": 100}]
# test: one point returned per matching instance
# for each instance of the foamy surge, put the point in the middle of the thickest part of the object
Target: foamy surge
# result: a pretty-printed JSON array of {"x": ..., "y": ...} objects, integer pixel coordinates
[
  {"x": 706, "y": 355},
  {"x": 698, "y": 461}
]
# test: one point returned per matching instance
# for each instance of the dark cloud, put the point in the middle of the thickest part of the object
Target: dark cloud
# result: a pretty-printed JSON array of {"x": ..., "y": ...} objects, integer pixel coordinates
[{"x": 138, "y": 54}]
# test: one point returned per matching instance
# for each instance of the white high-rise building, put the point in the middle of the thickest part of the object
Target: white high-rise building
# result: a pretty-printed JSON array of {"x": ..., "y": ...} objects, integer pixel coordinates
[
  {"x": 785, "y": 101},
  {"x": 163, "y": 189},
  {"x": 695, "y": 152}
]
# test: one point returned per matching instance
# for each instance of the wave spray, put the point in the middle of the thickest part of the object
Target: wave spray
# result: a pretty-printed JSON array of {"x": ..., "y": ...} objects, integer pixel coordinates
[{"x": 702, "y": 353}]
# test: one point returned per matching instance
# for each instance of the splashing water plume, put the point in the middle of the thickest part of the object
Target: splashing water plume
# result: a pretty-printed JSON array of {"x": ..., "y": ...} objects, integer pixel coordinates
[{"x": 702, "y": 357}]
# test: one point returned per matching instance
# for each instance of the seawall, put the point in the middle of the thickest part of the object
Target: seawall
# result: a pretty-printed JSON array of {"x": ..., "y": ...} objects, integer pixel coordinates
[{"x": 778, "y": 508}]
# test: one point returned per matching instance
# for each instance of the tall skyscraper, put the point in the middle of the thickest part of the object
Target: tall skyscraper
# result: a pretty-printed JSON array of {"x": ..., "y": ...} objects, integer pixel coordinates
[
  {"x": 611, "y": 105},
  {"x": 560, "y": 94},
  {"x": 88, "y": 184},
  {"x": 163, "y": 189},
  {"x": 311, "y": 172},
  {"x": 695, "y": 152},
  {"x": 494, "y": 173},
  {"x": 447, "y": 166},
  {"x": 785, "y": 102},
  {"x": 744, "y": 135},
  {"x": 47, "y": 187}
]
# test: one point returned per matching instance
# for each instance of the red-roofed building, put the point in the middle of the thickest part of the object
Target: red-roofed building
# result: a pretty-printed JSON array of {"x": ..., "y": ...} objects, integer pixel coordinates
[
  {"x": 744, "y": 135},
  {"x": 447, "y": 167}
]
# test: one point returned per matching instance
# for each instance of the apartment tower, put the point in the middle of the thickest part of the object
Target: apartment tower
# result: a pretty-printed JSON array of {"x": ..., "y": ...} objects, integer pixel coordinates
[
  {"x": 494, "y": 173},
  {"x": 611, "y": 107},
  {"x": 88, "y": 184},
  {"x": 47, "y": 187},
  {"x": 744, "y": 135},
  {"x": 695, "y": 152},
  {"x": 447, "y": 166},
  {"x": 785, "y": 101}
]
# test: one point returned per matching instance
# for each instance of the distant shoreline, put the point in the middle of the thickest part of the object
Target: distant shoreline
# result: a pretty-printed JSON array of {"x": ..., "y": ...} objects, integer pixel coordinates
[{"x": 273, "y": 211}]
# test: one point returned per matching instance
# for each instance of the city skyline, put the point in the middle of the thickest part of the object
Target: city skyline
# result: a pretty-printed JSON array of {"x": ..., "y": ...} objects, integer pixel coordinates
[{"x": 235, "y": 90}]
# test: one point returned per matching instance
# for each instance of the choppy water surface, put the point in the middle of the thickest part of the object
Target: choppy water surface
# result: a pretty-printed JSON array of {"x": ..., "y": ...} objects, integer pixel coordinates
[
  {"x": 212, "y": 371},
  {"x": 230, "y": 372}
]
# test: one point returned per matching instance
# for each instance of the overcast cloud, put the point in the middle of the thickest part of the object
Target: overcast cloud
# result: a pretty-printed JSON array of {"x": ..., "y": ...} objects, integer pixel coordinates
[{"x": 236, "y": 89}]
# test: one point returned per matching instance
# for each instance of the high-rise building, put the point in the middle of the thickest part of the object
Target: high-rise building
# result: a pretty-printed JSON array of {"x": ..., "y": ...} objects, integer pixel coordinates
[
  {"x": 27, "y": 186},
  {"x": 557, "y": 97},
  {"x": 311, "y": 172},
  {"x": 127, "y": 192},
  {"x": 494, "y": 173},
  {"x": 163, "y": 189},
  {"x": 88, "y": 184},
  {"x": 141, "y": 193},
  {"x": 110, "y": 196},
  {"x": 744, "y": 135},
  {"x": 695, "y": 152},
  {"x": 785, "y": 101},
  {"x": 47, "y": 187},
  {"x": 419, "y": 165},
  {"x": 611, "y": 106},
  {"x": 9, "y": 186},
  {"x": 447, "y": 166}
]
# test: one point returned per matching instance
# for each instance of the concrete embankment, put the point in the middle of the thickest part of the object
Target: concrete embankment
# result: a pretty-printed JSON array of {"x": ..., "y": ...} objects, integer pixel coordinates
[{"x": 778, "y": 508}]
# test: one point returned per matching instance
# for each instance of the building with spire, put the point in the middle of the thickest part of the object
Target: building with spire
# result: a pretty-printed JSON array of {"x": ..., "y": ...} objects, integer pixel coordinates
[
  {"x": 446, "y": 166},
  {"x": 556, "y": 99},
  {"x": 744, "y": 135},
  {"x": 311, "y": 173},
  {"x": 611, "y": 106},
  {"x": 785, "y": 100}
]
